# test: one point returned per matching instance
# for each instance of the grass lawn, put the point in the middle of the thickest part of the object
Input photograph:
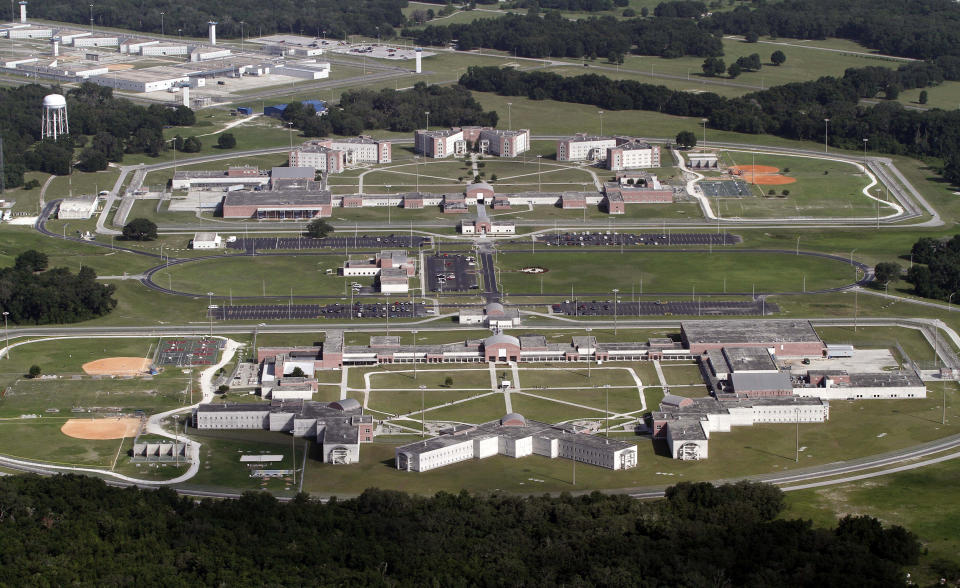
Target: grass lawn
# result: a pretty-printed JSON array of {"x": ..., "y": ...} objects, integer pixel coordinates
[
  {"x": 80, "y": 183},
  {"x": 621, "y": 400},
  {"x": 480, "y": 410},
  {"x": 151, "y": 396},
  {"x": 922, "y": 500},
  {"x": 27, "y": 201},
  {"x": 220, "y": 459},
  {"x": 575, "y": 375},
  {"x": 553, "y": 412},
  {"x": 304, "y": 275},
  {"x": 41, "y": 439},
  {"x": 66, "y": 356},
  {"x": 681, "y": 375},
  {"x": 822, "y": 188},
  {"x": 462, "y": 379},
  {"x": 408, "y": 401},
  {"x": 945, "y": 95},
  {"x": 668, "y": 271}
]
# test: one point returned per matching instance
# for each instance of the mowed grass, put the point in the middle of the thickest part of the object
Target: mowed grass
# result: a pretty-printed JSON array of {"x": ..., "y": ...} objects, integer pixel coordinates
[
  {"x": 272, "y": 275},
  {"x": 41, "y": 440},
  {"x": 220, "y": 465},
  {"x": 612, "y": 400},
  {"x": 462, "y": 379},
  {"x": 548, "y": 411},
  {"x": 666, "y": 271},
  {"x": 682, "y": 375},
  {"x": 922, "y": 500},
  {"x": 14, "y": 240},
  {"x": 399, "y": 402},
  {"x": 99, "y": 396},
  {"x": 66, "y": 356},
  {"x": 912, "y": 340},
  {"x": 479, "y": 410},
  {"x": 822, "y": 188},
  {"x": 575, "y": 375}
]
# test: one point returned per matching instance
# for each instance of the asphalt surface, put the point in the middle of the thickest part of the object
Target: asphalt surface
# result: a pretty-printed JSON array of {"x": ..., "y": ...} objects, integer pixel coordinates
[
  {"x": 295, "y": 243},
  {"x": 451, "y": 272},
  {"x": 317, "y": 311},
  {"x": 655, "y": 308},
  {"x": 600, "y": 238}
]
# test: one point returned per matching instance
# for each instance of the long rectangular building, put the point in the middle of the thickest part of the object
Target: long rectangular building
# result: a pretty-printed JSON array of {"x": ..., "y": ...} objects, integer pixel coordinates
[
  {"x": 782, "y": 337},
  {"x": 515, "y": 436}
]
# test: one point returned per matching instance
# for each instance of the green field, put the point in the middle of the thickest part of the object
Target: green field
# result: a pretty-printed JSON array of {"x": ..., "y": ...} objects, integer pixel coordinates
[
  {"x": 574, "y": 375},
  {"x": 41, "y": 439},
  {"x": 822, "y": 188},
  {"x": 667, "y": 271},
  {"x": 614, "y": 400},
  {"x": 279, "y": 275},
  {"x": 922, "y": 500},
  {"x": 462, "y": 379},
  {"x": 408, "y": 401}
]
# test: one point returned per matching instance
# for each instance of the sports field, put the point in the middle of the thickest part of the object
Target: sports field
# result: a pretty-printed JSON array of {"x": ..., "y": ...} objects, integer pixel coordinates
[
  {"x": 814, "y": 188},
  {"x": 668, "y": 271}
]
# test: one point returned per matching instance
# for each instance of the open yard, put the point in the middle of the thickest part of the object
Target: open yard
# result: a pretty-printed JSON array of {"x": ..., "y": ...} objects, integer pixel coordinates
[{"x": 667, "y": 271}]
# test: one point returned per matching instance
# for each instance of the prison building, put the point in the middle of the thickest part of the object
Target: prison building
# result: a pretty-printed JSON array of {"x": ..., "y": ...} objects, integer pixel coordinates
[
  {"x": 517, "y": 437},
  {"x": 440, "y": 144},
  {"x": 631, "y": 154},
  {"x": 485, "y": 226},
  {"x": 277, "y": 204},
  {"x": 454, "y": 204},
  {"x": 79, "y": 208},
  {"x": 386, "y": 259},
  {"x": 782, "y": 337},
  {"x": 319, "y": 156},
  {"x": 338, "y": 427},
  {"x": 502, "y": 143},
  {"x": 703, "y": 160},
  {"x": 480, "y": 192},
  {"x": 687, "y": 423},
  {"x": 584, "y": 147},
  {"x": 841, "y": 385},
  {"x": 245, "y": 176},
  {"x": 493, "y": 315}
]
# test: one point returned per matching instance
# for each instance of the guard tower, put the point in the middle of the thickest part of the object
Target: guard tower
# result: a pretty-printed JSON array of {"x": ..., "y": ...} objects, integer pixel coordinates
[
  {"x": 23, "y": 12},
  {"x": 54, "y": 122},
  {"x": 212, "y": 29}
]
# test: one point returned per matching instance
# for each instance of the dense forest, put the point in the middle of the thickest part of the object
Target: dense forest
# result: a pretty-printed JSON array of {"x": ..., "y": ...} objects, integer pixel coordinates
[
  {"x": 935, "y": 267},
  {"x": 555, "y": 36},
  {"x": 117, "y": 126},
  {"x": 336, "y": 17},
  {"x": 922, "y": 29},
  {"x": 31, "y": 293},
  {"x": 69, "y": 530},
  {"x": 400, "y": 111},
  {"x": 793, "y": 111}
]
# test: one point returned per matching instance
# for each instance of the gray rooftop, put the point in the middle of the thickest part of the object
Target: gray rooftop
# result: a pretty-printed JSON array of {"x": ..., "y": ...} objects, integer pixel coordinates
[
  {"x": 750, "y": 331},
  {"x": 687, "y": 430},
  {"x": 749, "y": 359},
  {"x": 277, "y": 198},
  {"x": 744, "y": 383},
  {"x": 293, "y": 173}
]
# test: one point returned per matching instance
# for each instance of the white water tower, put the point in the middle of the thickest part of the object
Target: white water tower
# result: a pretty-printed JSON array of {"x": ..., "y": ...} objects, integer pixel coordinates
[{"x": 54, "y": 117}]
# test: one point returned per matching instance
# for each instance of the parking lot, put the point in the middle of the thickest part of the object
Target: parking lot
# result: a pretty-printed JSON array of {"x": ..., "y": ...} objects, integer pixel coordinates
[
  {"x": 725, "y": 188},
  {"x": 656, "y": 308},
  {"x": 451, "y": 272},
  {"x": 264, "y": 312},
  {"x": 596, "y": 239},
  {"x": 187, "y": 351},
  {"x": 364, "y": 241}
]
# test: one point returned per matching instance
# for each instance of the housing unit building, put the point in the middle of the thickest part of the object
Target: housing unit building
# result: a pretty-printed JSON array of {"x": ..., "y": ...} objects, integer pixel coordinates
[
  {"x": 338, "y": 427},
  {"x": 517, "y": 437},
  {"x": 502, "y": 143},
  {"x": 631, "y": 154},
  {"x": 584, "y": 147},
  {"x": 244, "y": 176},
  {"x": 439, "y": 144},
  {"x": 782, "y": 337}
]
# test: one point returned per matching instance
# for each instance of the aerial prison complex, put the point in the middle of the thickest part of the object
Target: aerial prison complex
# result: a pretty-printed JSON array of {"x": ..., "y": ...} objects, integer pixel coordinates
[{"x": 751, "y": 368}]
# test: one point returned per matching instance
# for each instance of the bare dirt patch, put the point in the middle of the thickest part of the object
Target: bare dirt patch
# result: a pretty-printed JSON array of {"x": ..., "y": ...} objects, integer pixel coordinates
[
  {"x": 118, "y": 366},
  {"x": 109, "y": 428}
]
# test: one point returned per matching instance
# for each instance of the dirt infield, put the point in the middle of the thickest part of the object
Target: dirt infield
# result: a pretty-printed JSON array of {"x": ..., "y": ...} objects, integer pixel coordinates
[
  {"x": 118, "y": 366},
  {"x": 754, "y": 169},
  {"x": 767, "y": 179},
  {"x": 109, "y": 428},
  {"x": 762, "y": 175}
]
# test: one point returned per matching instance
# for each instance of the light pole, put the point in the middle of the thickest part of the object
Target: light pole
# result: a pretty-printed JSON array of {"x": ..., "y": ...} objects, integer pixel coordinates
[
  {"x": 509, "y": 117},
  {"x": 949, "y": 299},
  {"x": 600, "y": 112},
  {"x": 826, "y": 133},
  {"x": 588, "y": 354},
  {"x": 6, "y": 333},
  {"x": 241, "y": 36},
  {"x": 865, "y": 155},
  {"x": 704, "y": 121},
  {"x": 290, "y": 126},
  {"x": 797, "y": 413},
  {"x": 798, "y": 244},
  {"x": 91, "y": 18},
  {"x": 539, "y": 158},
  {"x": 427, "y": 112},
  {"x": 414, "y": 332},
  {"x": 161, "y": 23},
  {"x": 616, "y": 291},
  {"x": 210, "y": 310},
  {"x": 423, "y": 410}
]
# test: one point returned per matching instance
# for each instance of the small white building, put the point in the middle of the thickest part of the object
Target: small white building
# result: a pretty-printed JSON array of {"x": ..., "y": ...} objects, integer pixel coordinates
[
  {"x": 393, "y": 281},
  {"x": 206, "y": 241},
  {"x": 80, "y": 208}
]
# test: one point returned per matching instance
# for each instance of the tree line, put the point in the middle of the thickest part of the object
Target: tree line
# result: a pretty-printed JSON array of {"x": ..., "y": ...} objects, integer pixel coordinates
[
  {"x": 31, "y": 293},
  {"x": 65, "y": 528},
  {"x": 552, "y": 35},
  {"x": 400, "y": 111},
  {"x": 103, "y": 128},
  {"x": 312, "y": 17},
  {"x": 922, "y": 29},
  {"x": 935, "y": 267},
  {"x": 793, "y": 111}
]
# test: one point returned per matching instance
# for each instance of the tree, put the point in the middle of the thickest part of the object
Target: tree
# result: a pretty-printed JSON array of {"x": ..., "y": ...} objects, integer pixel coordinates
[
  {"x": 713, "y": 66},
  {"x": 892, "y": 92},
  {"x": 686, "y": 139},
  {"x": 734, "y": 70},
  {"x": 785, "y": 192},
  {"x": 34, "y": 371},
  {"x": 140, "y": 229},
  {"x": 951, "y": 168},
  {"x": 31, "y": 261},
  {"x": 923, "y": 97},
  {"x": 644, "y": 12},
  {"x": 448, "y": 381},
  {"x": 92, "y": 160},
  {"x": 629, "y": 13},
  {"x": 752, "y": 37},
  {"x": 886, "y": 272},
  {"x": 297, "y": 373},
  {"x": 318, "y": 228},
  {"x": 192, "y": 145},
  {"x": 223, "y": 389},
  {"x": 778, "y": 57},
  {"x": 227, "y": 141}
]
